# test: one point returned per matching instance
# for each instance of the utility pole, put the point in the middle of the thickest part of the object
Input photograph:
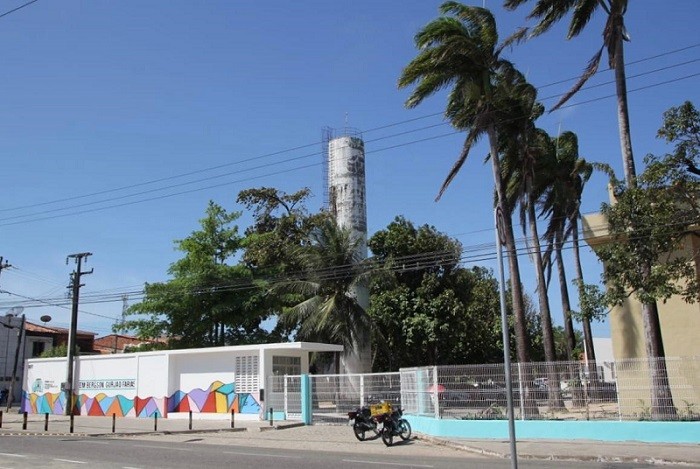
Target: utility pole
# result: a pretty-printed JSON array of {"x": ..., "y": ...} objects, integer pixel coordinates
[
  {"x": 14, "y": 368},
  {"x": 75, "y": 285}
]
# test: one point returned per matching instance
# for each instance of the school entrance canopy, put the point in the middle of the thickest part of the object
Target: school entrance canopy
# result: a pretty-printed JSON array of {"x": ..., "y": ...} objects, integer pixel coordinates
[{"x": 205, "y": 380}]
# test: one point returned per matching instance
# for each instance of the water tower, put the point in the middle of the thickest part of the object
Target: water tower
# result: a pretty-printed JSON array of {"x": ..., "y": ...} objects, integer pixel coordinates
[{"x": 346, "y": 201}]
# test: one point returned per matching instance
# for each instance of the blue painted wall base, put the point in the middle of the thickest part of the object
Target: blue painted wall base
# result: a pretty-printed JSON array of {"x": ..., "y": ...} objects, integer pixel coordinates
[{"x": 648, "y": 432}]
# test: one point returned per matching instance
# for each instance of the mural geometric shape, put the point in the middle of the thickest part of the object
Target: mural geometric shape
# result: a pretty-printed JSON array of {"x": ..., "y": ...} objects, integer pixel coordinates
[
  {"x": 198, "y": 397},
  {"x": 209, "y": 404}
]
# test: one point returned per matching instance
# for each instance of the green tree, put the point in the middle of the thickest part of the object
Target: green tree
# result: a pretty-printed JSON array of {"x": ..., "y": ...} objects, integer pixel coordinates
[
  {"x": 206, "y": 303},
  {"x": 58, "y": 351},
  {"x": 327, "y": 312},
  {"x": 549, "y": 12},
  {"x": 648, "y": 225},
  {"x": 281, "y": 225},
  {"x": 428, "y": 310},
  {"x": 460, "y": 50}
]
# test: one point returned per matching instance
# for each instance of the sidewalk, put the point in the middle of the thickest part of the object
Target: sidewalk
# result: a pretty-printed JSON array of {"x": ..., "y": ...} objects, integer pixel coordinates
[
  {"x": 92, "y": 426},
  {"x": 220, "y": 431},
  {"x": 581, "y": 450}
]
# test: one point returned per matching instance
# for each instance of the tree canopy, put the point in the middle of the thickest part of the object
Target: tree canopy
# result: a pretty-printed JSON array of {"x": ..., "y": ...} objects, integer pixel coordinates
[{"x": 426, "y": 308}]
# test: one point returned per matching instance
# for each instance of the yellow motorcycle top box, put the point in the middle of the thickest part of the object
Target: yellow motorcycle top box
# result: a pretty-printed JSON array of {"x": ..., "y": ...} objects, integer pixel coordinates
[{"x": 381, "y": 408}]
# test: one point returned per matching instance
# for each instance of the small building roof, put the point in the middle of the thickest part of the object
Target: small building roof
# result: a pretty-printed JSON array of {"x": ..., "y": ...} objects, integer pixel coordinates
[
  {"x": 301, "y": 346},
  {"x": 31, "y": 327}
]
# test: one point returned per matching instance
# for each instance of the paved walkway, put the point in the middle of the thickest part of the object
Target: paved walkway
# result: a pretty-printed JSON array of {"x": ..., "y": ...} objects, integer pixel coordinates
[{"x": 339, "y": 438}]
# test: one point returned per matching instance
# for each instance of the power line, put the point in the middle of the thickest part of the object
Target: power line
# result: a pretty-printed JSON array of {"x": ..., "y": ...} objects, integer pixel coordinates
[
  {"x": 18, "y": 8},
  {"x": 80, "y": 212},
  {"x": 420, "y": 261},
  {"x": 276, "y": 153}
]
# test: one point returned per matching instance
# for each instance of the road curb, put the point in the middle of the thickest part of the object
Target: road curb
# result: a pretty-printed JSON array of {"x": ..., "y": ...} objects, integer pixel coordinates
[
  {"x": 154, "y": 432},
  {"x": 554, "y": 457}
]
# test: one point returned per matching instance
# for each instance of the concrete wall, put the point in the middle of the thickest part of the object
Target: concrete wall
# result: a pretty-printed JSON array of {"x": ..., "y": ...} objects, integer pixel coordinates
[
  {"x": 214, "y": 380},
  {"x": 650, "y": 432}
]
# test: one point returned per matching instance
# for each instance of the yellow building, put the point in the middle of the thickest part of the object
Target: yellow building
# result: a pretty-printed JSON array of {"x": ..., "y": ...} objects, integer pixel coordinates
[
  {"x": 680, "y": 321},
  {"x": 680, "y": 331}
]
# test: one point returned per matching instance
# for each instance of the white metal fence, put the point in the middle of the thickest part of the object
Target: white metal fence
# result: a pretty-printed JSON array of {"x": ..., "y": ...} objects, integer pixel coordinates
[
  {"x": 567, "y": 391},
  {"x": 561, "y": 391}
]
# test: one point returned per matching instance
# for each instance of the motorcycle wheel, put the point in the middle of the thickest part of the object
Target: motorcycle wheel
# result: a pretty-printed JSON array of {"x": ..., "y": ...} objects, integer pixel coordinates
[
  {"x": 359, "y": 431},
  {"x": 387, "y": 436},
  {"x": 404, "y": 429}
]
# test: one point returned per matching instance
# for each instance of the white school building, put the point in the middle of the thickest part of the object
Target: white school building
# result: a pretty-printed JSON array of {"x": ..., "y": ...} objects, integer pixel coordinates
[{"x": 168, "y": 382}]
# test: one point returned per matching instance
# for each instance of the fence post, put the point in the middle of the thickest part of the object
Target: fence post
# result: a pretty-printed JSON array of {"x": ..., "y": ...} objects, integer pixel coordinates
[
  {"x": 522, "y": 395},
  {"x": 617, "y": 396},
  {"x": 420, "y": 391},
  {"x": 362, "y": 390},
  {"x": 306, "y": 414},
  {"x": 436, "y": 404},
  {"x": 286, "y": 394}
]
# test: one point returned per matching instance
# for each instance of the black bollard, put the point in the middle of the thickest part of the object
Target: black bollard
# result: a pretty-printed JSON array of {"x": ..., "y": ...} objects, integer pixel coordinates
[
  {"x": 24, "y": 421},
  {"x": 233, "y": 420},
  {"x": 72, "y": 418},
  {"x": 190, "y": 420},
  {"x": 271, "y": 416},
  {"x": 114, "y": 422},
  {"x": 155, "y": 422},
  {"x": 0, "y": 418},
  {"x": 46, "y": 422}
]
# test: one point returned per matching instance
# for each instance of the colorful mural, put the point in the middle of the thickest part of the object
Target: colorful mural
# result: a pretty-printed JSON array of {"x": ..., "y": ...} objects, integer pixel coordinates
[{"x": 219, "y": 398}]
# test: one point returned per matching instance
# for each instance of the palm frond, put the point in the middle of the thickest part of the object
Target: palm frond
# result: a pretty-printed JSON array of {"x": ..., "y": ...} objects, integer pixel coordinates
[
  {"x": 590, "y": 70},
  {"x": 472, "y": 136},
  {"x": 582, "y": 14},
  {"x": 518, "y": 37}
]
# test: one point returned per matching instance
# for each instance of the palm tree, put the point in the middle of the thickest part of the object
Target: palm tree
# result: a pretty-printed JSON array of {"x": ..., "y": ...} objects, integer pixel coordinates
[
  {"x": 549, "y": 12},
  {"x": 524, "y": 146},
  {"x": 560, "y": 204},
  {"x": 460, "y": 50},
  {"x": 328, "y": 309}
]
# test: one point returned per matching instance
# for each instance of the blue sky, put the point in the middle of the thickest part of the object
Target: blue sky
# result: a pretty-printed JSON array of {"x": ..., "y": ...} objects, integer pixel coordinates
[{"x": 106, "y": 97}]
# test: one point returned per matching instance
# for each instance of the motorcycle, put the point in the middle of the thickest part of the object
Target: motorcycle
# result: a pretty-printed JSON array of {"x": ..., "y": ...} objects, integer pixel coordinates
[
  {"x": 394, "y": 425},
  {"x": 363, "y": 423}
]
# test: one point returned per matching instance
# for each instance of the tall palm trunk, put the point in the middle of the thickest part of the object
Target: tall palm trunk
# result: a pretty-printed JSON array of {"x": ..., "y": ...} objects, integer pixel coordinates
[
  {"x": 662, "y": 407},
  {"x": 358, "y": 357},
  {"x": 521, "y": 337},
  {"x": 565, "y": 304},
  {"x": 522, "y": 342},
  {"x": 585, "y": 321},
  {"x": 661, "y": 399},
  {"x": 554, "y": 388},
  {"x": 623, "y": 119}
]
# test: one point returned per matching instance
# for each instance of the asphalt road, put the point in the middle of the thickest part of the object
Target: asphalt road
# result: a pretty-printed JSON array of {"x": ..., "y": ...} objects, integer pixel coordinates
[{"x": 132, "y": 453}]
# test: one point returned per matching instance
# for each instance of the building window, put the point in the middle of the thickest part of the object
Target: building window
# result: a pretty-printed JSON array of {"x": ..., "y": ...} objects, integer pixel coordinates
[
  {"x": 38, "y": 348},
  {"x": 286, "y": 366}
]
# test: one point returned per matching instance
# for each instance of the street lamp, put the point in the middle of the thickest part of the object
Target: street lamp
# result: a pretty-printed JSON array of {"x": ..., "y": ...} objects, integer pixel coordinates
[{"x": 16, "y": 310}]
